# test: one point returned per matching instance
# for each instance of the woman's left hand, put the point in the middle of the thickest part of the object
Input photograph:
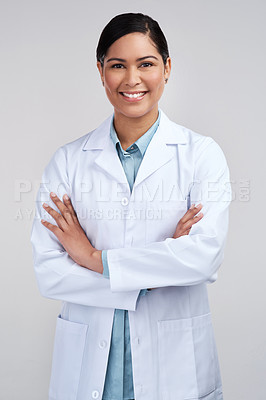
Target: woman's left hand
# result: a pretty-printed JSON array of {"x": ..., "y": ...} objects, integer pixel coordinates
[{"x": 71, "y": 235}]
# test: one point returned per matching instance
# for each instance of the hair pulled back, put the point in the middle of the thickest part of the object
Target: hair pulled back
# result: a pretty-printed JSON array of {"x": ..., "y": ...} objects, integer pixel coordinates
[{"x": 124, "y": 24}]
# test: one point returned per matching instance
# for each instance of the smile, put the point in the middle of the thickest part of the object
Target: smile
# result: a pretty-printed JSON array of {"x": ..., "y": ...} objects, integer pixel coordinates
[{"x": 133, "y": 96}]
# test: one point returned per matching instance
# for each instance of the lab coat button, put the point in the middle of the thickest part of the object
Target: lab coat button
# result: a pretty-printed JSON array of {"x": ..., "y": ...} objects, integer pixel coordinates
[
  {"x": 95, "y": 394},
  {"x": 137, "y": 340},
  {"x": 124, "y": 201},
  {"x": 102, "y": 344}
]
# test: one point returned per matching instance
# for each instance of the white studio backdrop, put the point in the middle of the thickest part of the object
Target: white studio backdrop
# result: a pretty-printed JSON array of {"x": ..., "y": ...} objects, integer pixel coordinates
[{"x": 51, "y": 94}]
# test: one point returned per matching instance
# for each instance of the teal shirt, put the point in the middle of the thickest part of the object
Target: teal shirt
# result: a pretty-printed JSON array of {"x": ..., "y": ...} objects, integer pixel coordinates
[{"x": 119, "y": 378}]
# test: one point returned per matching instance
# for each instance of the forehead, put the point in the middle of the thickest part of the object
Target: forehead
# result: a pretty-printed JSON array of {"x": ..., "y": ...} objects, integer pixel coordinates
[{"x": 132, "y": 45}]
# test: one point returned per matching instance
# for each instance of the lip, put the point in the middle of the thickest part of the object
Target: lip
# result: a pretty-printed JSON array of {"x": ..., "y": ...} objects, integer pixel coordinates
[{"x": 133, "y": 100}]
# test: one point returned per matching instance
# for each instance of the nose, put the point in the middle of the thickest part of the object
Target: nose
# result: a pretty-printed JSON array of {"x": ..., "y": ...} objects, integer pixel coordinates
[{"x": 132, "y": 77}]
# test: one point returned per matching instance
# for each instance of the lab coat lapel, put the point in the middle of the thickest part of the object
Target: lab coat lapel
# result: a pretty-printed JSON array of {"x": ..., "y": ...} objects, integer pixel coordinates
[
  {"x": 159, "y": 152},
  {"x": 107, "y": 159}
]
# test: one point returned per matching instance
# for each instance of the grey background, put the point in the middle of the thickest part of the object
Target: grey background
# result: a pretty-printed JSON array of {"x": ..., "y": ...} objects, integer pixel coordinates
[{"x": 51, "y": 94}]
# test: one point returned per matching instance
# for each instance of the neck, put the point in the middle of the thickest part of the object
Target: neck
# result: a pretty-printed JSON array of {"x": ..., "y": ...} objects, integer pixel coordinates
[{"x": 129, "y": 130}]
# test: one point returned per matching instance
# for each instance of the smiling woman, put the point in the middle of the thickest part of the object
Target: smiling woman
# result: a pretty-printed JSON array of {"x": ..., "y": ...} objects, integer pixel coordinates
[
  {"x": 134, "y": 64},
  {"x": 130, "y": 258},
  {"x": 135, "y": 85}
]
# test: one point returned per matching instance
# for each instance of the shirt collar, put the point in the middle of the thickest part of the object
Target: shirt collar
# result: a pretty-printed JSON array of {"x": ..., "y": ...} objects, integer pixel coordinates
[{"x": 143, "y": 141}]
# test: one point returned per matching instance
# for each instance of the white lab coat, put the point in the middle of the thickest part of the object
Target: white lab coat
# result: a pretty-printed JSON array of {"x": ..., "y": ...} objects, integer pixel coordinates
[{"x": 173, "y": 349}]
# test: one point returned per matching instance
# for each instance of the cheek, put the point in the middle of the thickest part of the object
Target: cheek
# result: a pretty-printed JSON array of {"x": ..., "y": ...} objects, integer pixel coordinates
[
  {"x": 155, "y": 80},
  {"x": 111, "y": 81}
]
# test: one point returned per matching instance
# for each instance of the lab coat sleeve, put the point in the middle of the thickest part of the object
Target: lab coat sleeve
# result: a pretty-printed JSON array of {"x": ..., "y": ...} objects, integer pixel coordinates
[
  {"x": 187, "y": 260},
  {"x": 143, "y": 292},
  {"x": 58, "y": 276}
]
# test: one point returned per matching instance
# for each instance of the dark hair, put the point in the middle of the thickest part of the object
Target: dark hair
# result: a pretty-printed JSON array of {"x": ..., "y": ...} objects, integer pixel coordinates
[{"x": 123, "y": 24}]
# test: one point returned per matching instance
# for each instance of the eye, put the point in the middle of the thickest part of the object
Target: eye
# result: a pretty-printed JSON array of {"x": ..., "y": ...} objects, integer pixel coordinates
[
  {"x": 146, "y": 64},
  {"x": 117, "y": 66}
]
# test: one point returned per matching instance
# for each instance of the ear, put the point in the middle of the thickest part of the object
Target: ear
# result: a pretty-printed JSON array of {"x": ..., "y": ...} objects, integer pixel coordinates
[
  {"x": 99, "y": 66},
  {"x": 167, "y": 68}
]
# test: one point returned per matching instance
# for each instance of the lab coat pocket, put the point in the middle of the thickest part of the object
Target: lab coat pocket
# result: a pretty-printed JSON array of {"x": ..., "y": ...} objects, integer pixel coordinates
[
  {"x": 69, "y": 345},
  {"x": 186, "y": 355}
]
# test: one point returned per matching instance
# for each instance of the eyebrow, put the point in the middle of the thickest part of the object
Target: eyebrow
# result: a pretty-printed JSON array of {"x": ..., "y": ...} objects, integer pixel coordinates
[{"x": 139, "y": 59}]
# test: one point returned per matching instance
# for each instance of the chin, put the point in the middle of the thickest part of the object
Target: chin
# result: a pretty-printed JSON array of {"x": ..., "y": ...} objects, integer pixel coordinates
[{"x": 134, "y": 112}]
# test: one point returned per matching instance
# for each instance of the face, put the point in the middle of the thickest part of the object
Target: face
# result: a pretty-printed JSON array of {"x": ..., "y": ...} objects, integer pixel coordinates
[{"x": 134, "y": 75}]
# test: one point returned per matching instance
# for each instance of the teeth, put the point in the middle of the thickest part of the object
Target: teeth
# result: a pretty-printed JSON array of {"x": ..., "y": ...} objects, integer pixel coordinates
[{"x": 134, "y": 96}]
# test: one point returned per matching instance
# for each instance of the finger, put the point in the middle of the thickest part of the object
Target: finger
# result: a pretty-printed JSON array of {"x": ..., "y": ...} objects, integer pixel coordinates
[
  {"x": 191, "y": 212},
  {"x": 59, "y": 219},
  {"x": 61, "y": 207},
  {"x": 193, "y": 221},
  {"x": 70, "y": 207},
  {"x": 53, "y": 228}
]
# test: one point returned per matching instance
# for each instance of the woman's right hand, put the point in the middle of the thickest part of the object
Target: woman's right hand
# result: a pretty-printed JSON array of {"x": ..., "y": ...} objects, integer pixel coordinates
[{"x": 190, "y": 218}]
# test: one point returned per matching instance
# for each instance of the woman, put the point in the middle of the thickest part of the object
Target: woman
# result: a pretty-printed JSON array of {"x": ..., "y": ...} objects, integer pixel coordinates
[{"x": 122, "y": 242}]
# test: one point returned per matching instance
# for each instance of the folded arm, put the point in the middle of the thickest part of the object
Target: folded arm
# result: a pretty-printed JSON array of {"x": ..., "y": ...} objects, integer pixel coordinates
[
  {"x": 58, "y": 275},
  {"x": 190, "y": 259}
]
